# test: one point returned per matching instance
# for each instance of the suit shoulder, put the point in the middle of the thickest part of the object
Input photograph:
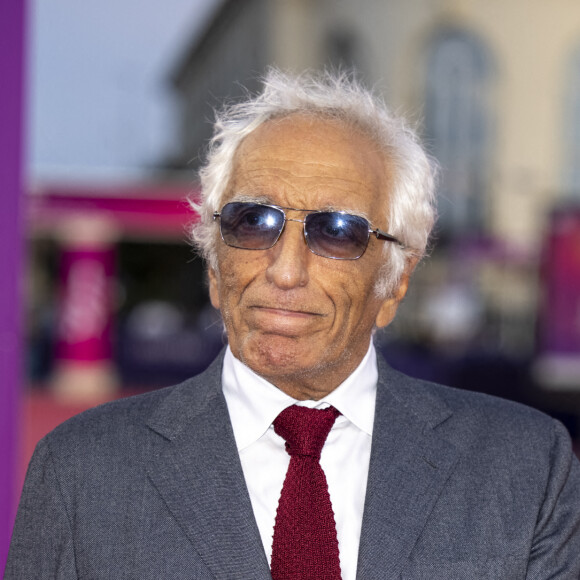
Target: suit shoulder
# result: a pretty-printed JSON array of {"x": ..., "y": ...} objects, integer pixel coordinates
[
  {"x": 127, "y": 418},
  {"x": 469, "y": 415},
  {"x": 465, "y": 398},
  {"x": 492, "y": 409},
  {"x": 111, "y": 419}
]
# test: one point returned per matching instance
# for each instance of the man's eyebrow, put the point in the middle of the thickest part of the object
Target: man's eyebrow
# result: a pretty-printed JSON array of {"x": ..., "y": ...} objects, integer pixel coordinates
[
  {"x": 248, "y": 198},
  {"x": 343, "y": 209},
  {"x": 356, "y": 212}
]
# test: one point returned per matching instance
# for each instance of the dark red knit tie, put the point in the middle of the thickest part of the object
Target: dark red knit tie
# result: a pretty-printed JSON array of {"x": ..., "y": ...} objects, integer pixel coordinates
[{"x": 305, "y": 545}]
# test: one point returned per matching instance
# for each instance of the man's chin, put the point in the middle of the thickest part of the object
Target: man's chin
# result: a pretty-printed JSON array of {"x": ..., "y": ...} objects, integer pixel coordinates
[{"x": 275, "y": 357}]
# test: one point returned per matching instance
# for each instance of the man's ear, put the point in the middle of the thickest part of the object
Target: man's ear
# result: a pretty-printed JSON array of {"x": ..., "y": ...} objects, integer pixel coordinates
[
  {"x": 389, "y": 306},
  {"x": 214, "y": 294}
]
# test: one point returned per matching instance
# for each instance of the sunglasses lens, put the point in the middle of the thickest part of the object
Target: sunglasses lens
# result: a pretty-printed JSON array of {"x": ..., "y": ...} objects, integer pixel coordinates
[
  {"x": 250, "y": 226},
  {"x": 337, "y": 235}
]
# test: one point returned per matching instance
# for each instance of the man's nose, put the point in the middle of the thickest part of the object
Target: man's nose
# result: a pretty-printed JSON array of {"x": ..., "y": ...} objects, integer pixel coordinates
[{"x": 289, "y": 258}]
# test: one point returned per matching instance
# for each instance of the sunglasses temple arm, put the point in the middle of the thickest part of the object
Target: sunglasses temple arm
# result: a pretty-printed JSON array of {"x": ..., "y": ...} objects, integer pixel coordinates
[{"x": 387, "y": 237}]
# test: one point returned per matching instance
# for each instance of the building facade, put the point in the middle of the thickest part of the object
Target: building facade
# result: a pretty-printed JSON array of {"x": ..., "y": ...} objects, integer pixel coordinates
[{"x": 495, "y": 89}]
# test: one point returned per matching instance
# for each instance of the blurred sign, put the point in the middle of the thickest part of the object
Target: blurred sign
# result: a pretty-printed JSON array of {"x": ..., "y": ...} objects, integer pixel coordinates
[
  {"x": 558, "y": 364},
  {"x": 85, "y": 315}
]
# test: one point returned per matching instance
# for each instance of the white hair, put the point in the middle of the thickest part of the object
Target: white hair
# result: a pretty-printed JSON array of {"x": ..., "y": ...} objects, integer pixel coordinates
[{"x": 336, "y": 96}]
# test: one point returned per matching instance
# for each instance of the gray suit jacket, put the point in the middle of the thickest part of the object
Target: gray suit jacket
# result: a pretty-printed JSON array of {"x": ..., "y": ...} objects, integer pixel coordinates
[{"x": 460, "y": 486}]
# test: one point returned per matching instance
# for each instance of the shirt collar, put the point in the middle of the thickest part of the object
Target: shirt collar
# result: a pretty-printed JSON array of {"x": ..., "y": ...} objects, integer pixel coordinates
[{"x": 254, "y": 403}]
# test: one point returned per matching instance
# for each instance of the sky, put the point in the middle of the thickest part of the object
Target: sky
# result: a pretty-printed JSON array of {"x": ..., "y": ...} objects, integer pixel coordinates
[{"x": 100, "y": 105}]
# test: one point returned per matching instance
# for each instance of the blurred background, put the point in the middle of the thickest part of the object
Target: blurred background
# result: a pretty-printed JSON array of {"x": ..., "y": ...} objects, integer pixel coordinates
[{"x": 119, "y": 105}]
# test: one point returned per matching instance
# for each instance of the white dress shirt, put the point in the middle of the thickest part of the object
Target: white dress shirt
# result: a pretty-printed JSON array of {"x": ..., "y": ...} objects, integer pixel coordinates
[{"x": 254, "y": 403}]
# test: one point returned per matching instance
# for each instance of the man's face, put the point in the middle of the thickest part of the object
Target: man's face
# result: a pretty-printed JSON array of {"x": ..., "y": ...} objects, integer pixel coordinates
[{"x": 303, "y": 321}]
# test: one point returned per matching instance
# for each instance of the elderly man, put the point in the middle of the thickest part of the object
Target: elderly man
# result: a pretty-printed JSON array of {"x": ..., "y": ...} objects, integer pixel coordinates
[{"x": 299, "y": 453}]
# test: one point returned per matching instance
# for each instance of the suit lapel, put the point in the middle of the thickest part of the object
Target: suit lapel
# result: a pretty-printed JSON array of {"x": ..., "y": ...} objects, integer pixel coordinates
[
  {"x": 196, "y": 469},
  {"x": 409, "y": 466}
]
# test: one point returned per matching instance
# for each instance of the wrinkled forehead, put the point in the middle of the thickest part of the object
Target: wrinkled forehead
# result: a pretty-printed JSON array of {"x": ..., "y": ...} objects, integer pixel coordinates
[{"x": 305, "y": 158}]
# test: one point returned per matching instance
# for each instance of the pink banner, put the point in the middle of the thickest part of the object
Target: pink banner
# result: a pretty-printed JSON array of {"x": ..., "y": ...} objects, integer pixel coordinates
[
  {"x": 86, "y": 303},
  {"x": 560, "y": 310}
]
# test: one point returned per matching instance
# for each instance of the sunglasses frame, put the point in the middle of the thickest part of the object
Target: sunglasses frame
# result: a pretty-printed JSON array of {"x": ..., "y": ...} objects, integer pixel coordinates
[{"x": 379, "y": 234}]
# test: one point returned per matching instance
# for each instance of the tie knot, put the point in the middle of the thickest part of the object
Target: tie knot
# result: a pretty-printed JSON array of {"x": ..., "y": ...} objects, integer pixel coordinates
[{"x": 305, "y": 430}]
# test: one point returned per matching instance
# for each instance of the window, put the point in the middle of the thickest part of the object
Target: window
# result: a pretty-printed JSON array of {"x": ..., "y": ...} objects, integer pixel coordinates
[
  {"x": 457, "y": 127},
  {"x": 572, "y": 129}
]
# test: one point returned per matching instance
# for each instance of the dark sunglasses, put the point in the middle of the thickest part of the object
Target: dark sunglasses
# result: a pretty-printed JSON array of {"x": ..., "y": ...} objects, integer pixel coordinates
[{"x": 331, "y": 234}]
